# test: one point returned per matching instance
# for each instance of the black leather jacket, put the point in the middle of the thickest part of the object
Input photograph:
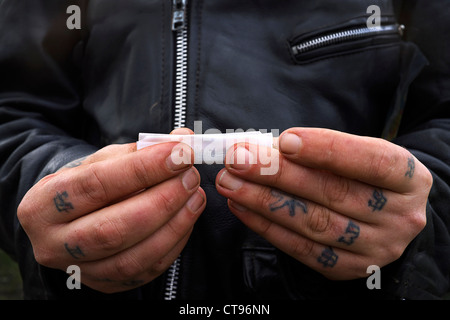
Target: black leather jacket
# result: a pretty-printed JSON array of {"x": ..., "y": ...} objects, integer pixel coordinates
[{"x": 65, "y": 93}]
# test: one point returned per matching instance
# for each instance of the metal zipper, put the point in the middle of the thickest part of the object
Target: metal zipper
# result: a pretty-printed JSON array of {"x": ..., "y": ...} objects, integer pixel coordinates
[
  {"x": 179, "y": 27},
  {"x": 172, "y": 280},
  {"x": 345, "y": 35}
]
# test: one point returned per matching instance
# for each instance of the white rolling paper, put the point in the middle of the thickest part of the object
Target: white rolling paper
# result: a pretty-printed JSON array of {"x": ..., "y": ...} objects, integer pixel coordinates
[{"x": 208, "y": 148}]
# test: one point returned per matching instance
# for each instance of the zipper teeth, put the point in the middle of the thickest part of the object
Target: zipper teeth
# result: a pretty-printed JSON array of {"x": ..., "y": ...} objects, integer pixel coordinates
[
  {"x": 342, "y": 36},
  {"x": 172, "y": 280},
  {"x": 181, "y": 78},
  {"x": 179, "y": 25}
]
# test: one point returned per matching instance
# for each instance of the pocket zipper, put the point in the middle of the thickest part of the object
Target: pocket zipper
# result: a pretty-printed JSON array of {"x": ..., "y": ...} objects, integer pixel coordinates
[{"x": 344, "y": 36}]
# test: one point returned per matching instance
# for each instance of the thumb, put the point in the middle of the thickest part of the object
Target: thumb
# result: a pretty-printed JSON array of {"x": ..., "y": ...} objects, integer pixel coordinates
[{"x": 182, "y": 131}]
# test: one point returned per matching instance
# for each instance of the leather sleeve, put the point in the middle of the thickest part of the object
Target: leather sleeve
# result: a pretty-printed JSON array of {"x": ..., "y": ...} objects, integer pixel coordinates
[
  {"x": 40, "y": 117},
  {"x": 425, "y": 131}
]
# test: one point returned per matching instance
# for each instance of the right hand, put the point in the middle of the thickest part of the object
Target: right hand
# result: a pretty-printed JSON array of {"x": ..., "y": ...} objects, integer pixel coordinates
[{"x": 123, "y": 216}]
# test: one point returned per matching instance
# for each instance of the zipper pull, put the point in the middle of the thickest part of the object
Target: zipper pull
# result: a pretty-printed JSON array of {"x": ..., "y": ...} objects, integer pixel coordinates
[{"x": 178, "y": 14}]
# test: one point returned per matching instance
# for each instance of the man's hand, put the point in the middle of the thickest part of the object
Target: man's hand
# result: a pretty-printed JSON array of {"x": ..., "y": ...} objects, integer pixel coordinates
[
  {"x": 123, "y": 216},
  {"x": 338, "y": 202}
]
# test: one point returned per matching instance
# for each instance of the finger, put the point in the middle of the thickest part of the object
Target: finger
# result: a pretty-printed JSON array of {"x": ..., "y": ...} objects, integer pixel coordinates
[
  {"x": 182, "y": 131},
  {"x": 108, "y": 284},
  {"x": 108, "y": 152},
  {"x": 79, "y": 191},
  {"x": 122, "y": 225},
  {"x": 348, "y": 197},
  {"x": 153, "y": 255},
  {"x": 334, "y": 263},
  {"x": 301, "y": 216},
  {"x": 370, "y": 160}
]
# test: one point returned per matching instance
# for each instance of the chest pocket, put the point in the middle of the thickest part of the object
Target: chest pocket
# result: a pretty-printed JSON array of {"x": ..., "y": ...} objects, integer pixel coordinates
[{"x": 349, "y": 37}]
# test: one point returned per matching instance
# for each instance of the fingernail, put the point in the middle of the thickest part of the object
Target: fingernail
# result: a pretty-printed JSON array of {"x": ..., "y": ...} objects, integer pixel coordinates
[
  {"x": 190, "y": 179},
  {"x": 290, "y": 143},
  {"x": 237, "y": 206},
  {"x": 180, "y": 157},
  {"x": 242, "y": 159},
  {"x": 182, "y": 131},
  {"x": 195, "y": 201},
  {"x": 230, "y": 182}
]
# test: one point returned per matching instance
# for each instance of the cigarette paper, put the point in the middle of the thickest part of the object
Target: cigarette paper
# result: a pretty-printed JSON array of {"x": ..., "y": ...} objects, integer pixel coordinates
[{"x": 208, "y": 148}]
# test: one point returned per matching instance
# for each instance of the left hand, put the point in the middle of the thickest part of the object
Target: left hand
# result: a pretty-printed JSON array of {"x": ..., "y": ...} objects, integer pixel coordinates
[{"x": 337, "y": 203}]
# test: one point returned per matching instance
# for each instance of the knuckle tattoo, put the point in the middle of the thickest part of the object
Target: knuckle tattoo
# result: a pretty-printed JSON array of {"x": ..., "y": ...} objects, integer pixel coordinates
[{"x": 284, "y": 200}]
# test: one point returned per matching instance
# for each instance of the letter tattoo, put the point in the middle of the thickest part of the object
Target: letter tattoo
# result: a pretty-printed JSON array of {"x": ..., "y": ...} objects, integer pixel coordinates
[
  {"x": 328, "y": 258},
  {"x": 351, "y": 233},
  {"x": 283, "y": 200},
  {"x": 61, "y": 202},
  {"x": 378, "y": 200},
  {"x": 411, "y": 168},
  {"x": 76, "y": 252}
]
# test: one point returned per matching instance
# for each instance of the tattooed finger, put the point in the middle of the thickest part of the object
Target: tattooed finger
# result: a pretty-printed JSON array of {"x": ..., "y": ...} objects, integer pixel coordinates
[
  {"x": 332, "y": 261},
  {"x": 299, "y": 215}
]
